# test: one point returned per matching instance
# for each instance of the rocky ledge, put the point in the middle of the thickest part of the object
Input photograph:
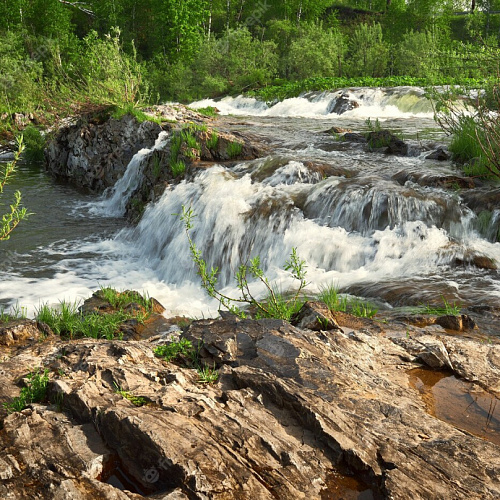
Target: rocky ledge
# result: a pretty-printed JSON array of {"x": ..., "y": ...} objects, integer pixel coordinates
[
  {"x": 294, "y": 413},
  {"x": 93, "y": 151}
]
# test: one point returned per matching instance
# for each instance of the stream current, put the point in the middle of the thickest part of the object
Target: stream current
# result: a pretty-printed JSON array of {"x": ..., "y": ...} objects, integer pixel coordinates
[{"x": 367, "y": 222}]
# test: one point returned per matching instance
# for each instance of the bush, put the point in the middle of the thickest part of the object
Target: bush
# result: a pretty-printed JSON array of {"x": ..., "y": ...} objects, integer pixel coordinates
[
  {"x": 316, "y": 52},
  {"x": 35, "y": 144},
  {"x": 368, "y": 54}
]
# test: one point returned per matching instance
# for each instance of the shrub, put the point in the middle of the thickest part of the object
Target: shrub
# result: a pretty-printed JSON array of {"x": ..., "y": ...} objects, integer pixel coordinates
[
  {"x": 275, "y": 306},
  {"x": 34, "y": 392},
  {"x": 316, "y": 52},
  {"x": 35, "y": 144},
  {"x": 368, "y": 54}
]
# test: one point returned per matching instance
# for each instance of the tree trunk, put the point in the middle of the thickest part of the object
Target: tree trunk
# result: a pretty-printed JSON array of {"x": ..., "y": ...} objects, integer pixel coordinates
[{"x": 472, "y": 6}]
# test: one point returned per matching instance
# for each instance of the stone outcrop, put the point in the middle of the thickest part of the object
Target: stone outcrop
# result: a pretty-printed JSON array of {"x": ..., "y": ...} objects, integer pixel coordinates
[
  {"x": 93, "y": 155},
  {"x": 342, "y": 104},
  {"x": 296, "y": 413},
  {"x": 388, "y": 142}
]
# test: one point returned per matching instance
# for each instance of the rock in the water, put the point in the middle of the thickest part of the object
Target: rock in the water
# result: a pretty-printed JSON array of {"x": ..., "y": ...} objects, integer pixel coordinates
[
  {"x": 440, "y": 154},
  {"x": 457, "y": 323},
  {"x": 94, "y": 155},
  {"x": 391, "y": 144},
  {"x": 342, "y": 104}
]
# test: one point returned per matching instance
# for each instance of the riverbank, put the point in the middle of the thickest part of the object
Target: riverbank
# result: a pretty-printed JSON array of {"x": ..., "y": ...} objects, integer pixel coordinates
[{"x": 291, "y": 412}]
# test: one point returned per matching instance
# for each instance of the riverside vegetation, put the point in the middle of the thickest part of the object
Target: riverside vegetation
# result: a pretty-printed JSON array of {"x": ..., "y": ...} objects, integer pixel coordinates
[{"x": 57, "y": 58}]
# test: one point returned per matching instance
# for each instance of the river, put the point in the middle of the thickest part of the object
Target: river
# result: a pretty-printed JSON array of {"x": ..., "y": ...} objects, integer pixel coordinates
[{"x": 367, "y": 222}]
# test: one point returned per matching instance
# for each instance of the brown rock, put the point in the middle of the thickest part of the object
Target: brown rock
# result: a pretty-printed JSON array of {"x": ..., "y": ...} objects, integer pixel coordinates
[
  {"x": 291, "y": 408},
  {"x": 315, "y": 316}
]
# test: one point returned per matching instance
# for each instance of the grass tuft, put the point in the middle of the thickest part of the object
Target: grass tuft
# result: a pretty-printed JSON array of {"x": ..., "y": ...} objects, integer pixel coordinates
[{"x": 35, "y": 391}]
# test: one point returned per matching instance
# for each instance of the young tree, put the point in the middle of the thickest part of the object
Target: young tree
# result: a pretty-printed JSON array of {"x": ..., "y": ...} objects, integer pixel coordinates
[{"x": 16, "y": 213}]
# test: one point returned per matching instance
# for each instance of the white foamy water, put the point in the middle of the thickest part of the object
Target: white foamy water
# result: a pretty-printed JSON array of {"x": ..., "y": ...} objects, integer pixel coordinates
[
  {"x": 361, "y": 228},
  {"x": 371, "y": 103},
  {"x": 114, "y": 200}
]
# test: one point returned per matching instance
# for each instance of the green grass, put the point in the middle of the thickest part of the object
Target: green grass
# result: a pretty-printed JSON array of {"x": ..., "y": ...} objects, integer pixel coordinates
[
  {"x": 35, "y": 144},
  {"x": 234, "y": 149},
  {"x": 35, "y": 391},
  {"x": 172, "y": 351},
  {"x": 14, "y": 313},
  {"x": 207, "y": 111},
  {"x": 190, "y": 140},
  {"x": 213, "y": 140},
  {"x": 447, "y": 309},
  {"x": 466, "y": 148},
  {"x": 183, "y": 350},
  {"x": 330, "y": 296},
  {"x": 208, "y": 374},
  {"x": 282, "y": 307},
  {"x": 119, "y": 300},
  {"x": 178, "y": 167},
  {"x": 68, "y": 322},
  {"x": 119, "y": 112},
  {"x": 135, "y": 400}
]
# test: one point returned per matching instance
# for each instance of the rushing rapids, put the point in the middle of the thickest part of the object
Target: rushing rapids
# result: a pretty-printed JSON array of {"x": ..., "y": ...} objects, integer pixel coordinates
[{"x": 372, "y": 224}]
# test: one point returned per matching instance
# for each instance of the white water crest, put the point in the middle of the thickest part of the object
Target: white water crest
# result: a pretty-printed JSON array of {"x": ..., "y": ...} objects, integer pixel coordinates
[
  {"x": 238, "y": 218},
  {"x": 114, "y": 200},
  {"x": 381, "y": 103}
]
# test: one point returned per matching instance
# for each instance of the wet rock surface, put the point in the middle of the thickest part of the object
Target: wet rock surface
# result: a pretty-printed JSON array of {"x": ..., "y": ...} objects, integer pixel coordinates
[
  {"x": 93, "y": 154},
  {"x": 292, "y": 408}
]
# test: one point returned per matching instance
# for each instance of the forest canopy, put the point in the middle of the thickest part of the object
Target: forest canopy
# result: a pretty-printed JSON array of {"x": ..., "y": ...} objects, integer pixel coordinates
[{"x": 59, "y": 55}]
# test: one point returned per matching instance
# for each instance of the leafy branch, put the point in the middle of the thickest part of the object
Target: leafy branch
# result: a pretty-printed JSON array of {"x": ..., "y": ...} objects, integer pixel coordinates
[
  {"x": 12, "y": 218},
  {"x": 274, "y": 306}
]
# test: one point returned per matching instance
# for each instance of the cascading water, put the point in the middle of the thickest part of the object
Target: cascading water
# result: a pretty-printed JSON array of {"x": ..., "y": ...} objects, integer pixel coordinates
[
  {"x": 365, "y": 103},
  {"x": 360, "y": 220}
]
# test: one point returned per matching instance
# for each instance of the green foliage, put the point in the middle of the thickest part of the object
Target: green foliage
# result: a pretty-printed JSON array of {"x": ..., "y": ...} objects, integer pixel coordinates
[
  {"x": 174, "y": 350},
  {"x": 35, "y": 391},
  {"x": 208, "y": 374},
  {"x": 234, "y": 149},
  {"x": 213, "y": 140},
  {"x": 178, "y": 167},
  {"x": 131, "y": 109},
  {"x": 207, "y": 111},
  {"x": 184, "y": 351},
  {"x": 35, "y": 144},
  {"x": 17, "y": 213},
  {"x": 274, "y": 305},
  {"x": 316, "y": 52},
  {"x": 135, "y": 400},
  {"x": 69, "y": 322},
  {"x": 15, "y": 312},
  {"x": 475, "y": 129},
  {"x": 120, "y": 300},
  {"x": 190, "y": 140},
  {"x": 335, "y": 302},
  {"x": 368, "y": 55},
  {"x": 447, "y": 308}
]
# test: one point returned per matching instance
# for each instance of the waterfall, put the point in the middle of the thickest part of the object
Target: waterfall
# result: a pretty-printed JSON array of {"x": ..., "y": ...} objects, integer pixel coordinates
[
  {"x": 114, "y": 200},
  {"x": 382, "y": 103}
]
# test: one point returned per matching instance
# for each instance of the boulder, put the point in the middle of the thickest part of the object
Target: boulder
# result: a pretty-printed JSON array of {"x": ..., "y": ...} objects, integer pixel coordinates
[
  {"x": 440, "y": 155},
  {"x": 342, "y": 104},
  {"x": 315, "y": 316},
  {"x": 93, "y": 155},
  {"x": 391, "y": 144}
]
